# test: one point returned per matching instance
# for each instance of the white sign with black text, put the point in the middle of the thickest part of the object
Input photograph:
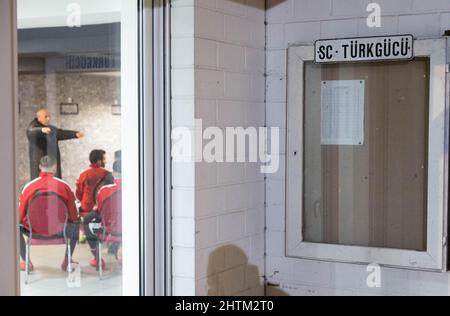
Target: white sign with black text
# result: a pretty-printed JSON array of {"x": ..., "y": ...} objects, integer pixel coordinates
[{"x": 364, "y": 49}]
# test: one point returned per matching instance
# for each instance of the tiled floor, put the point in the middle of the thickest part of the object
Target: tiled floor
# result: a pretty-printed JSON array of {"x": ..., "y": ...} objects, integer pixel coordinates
[{"x": 49, "y": 280}]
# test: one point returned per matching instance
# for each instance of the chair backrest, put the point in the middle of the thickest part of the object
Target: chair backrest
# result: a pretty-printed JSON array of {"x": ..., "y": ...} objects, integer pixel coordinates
[
  {"x": 111, "y": 213},
  {"x": 47, "y": 214},
  {"x": 97, "y": 188}
]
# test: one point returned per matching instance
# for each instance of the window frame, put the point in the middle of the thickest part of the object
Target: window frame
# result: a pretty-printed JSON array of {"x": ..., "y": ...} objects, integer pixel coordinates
[
  {"x": 147, "y": 41},
  {"x": 9, "y": 243},
  {"x": 434, "y": 257}
]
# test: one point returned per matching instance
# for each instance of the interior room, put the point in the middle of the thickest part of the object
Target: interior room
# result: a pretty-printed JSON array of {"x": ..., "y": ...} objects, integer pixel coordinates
[{"x": 75, "y": 73}]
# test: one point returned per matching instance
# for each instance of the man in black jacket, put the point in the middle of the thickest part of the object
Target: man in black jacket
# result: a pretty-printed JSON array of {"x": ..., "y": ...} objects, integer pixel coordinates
[{"x": 43, "y": 141}]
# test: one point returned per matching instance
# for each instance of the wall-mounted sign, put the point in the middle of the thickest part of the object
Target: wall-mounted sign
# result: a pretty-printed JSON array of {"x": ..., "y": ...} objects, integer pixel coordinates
[
  {"x": 69, "y": 109},
  {"x": 116, "y": 109},
  {"x": 92, "y": 62},
  {"x": 364, "y": 49}
]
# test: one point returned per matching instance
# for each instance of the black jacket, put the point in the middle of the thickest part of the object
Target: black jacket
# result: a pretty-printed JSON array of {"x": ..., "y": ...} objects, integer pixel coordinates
[{"x": 45, "y": 145}]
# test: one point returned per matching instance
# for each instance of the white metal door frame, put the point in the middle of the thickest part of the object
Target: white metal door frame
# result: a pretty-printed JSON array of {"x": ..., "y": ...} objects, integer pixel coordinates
[
  {"x": 155, "y": 147},
  {"x": 161, "y": 147}
]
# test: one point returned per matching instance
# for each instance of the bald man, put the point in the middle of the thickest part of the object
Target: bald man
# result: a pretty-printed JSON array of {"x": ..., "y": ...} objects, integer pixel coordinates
[{"x": 43, "y": 141}]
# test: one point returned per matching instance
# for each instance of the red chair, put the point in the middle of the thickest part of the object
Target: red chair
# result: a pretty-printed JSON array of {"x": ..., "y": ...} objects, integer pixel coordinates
[
  {"x": 47, "y": 217},
  {"x": 111, "y": 226},
  {"x": 98, "y": 185}
]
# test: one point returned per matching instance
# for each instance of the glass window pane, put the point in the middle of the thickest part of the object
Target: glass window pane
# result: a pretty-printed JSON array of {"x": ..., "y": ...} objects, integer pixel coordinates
[
  {"x": 365, "y": 154},
  {"x": 70, "y": 146}
]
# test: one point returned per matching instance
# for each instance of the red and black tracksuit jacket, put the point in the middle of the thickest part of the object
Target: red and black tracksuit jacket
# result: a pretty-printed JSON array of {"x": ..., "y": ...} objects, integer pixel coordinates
[
  {"x": 88, "y": 182},
  {"x": 47, "y": 183}
]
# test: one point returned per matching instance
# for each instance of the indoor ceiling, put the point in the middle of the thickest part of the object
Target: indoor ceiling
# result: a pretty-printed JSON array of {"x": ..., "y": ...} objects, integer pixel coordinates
[{"x": 54, "y": 13}]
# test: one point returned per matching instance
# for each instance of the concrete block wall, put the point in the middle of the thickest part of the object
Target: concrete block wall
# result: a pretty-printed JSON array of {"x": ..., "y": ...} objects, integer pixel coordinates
[
  {"x": 183, "y": 174},
  {"x": 218, "y": 65},
  {"x": 304, "y": 21}
]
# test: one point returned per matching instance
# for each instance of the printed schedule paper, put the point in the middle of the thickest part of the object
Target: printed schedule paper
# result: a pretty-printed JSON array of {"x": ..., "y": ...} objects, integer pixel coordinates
[{"x": 342, "y": 112}]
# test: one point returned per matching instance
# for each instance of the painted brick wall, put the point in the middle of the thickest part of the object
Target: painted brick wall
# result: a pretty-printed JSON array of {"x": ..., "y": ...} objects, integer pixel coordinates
[
  {"x": 183, "y": 174},
  {"x": 304, "y": 21},
  {"x": 218, "y": 209}
]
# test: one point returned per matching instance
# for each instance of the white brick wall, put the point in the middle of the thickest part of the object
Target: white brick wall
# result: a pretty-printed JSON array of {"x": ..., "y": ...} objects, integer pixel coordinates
[
  {"x": 183, "y": 174},
  {"x": 218, "y": 64},
  {"x": 297, "y": 21}
]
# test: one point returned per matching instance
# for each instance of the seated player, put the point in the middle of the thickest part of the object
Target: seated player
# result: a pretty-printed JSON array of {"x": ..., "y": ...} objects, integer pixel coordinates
[
  {"x": 47, "y": 182},
  {"x": 91, "y": 180},
  {"x": 96, "y": 216}
]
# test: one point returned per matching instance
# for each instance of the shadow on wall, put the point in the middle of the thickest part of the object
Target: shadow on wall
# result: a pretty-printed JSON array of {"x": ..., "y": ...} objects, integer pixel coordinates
[{"x": 231, "y": 274}]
